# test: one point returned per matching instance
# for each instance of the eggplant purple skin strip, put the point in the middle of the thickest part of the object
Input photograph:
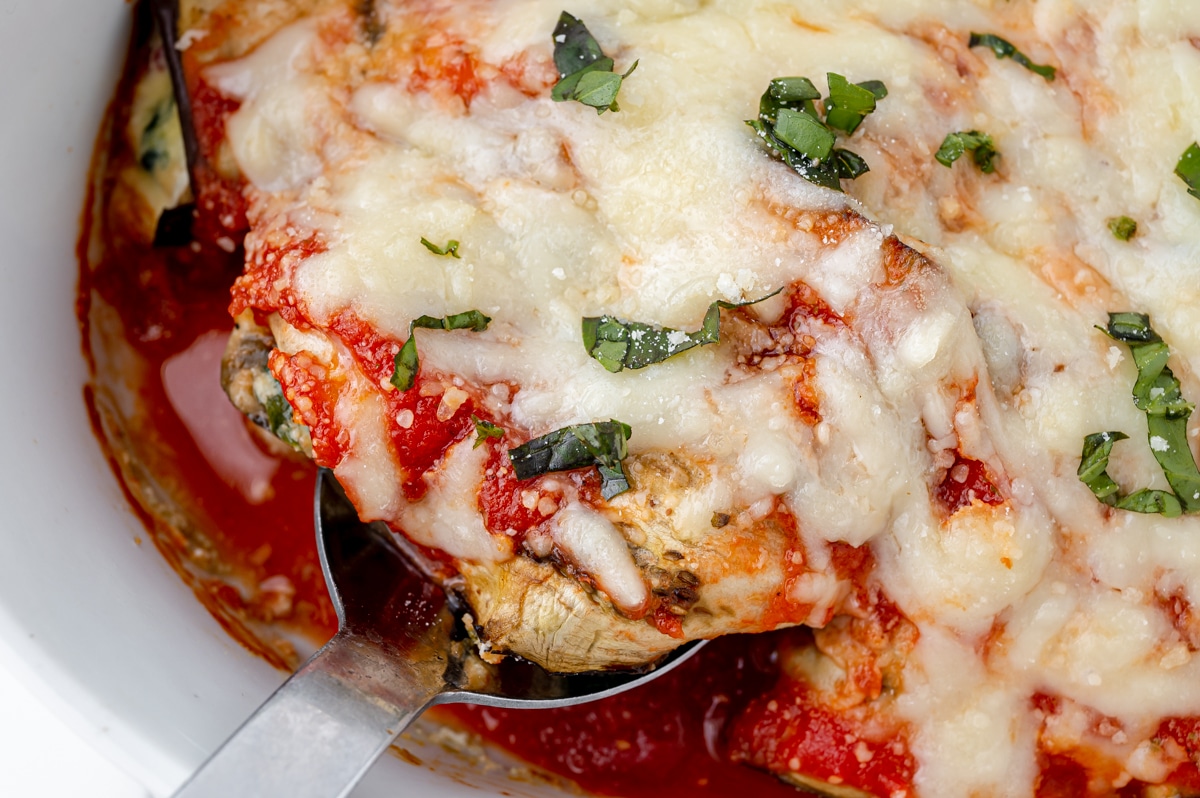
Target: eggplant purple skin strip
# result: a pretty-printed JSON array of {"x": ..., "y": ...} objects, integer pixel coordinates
[{"x": 166, "y": 20}]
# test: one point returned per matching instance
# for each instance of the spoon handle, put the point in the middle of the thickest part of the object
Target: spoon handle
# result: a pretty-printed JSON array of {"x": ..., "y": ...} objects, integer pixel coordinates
[{"x": 320, "y": 731}]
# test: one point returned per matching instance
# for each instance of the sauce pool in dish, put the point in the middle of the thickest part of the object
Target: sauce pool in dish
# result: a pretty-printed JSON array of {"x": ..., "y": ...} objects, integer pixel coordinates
[
  {"x": 251, "y": 557},
  {"x": 1018, "y": 637}
]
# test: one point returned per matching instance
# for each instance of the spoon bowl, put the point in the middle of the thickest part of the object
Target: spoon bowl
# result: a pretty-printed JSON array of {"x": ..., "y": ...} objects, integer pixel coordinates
[{"x": 401, "y": 647}]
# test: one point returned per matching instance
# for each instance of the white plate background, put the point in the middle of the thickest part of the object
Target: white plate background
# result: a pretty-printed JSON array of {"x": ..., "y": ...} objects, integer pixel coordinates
[{"x": 98, "y": 626}]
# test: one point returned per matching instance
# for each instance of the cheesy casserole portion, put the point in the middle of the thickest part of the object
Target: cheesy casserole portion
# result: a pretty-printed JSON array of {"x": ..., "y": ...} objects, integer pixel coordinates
[{"x": 882, "y": 447}]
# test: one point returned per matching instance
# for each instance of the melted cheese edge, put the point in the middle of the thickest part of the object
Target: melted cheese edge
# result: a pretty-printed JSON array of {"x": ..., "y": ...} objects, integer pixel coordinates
[{"x": 547, "y": 239}]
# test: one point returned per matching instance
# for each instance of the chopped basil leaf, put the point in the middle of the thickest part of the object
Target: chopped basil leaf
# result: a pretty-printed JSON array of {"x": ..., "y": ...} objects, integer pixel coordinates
[
  {"x": 1188, "y": 169},
  {"x": 822, "y": 173},
  {"x": 980, "y": 145},
  {"x": 585, "y": 74},
  {"x": 1122, "y": 227},
  {"x": 791, "y": 126},
  {"x": 406, "y": 361},
  {"x": 485, "y": 430},
  {"x": 565, "y": 89},
  {"x": 1093, "y": 472},
  {"x": 1131, "y": 327},
  {"x": 471, "y": 320},
  {"x": 801, "y": 132},
  {"x": 574, "y": 45},
  {"x": 450, "y": 249},
  {"x": 600, "y": 444},
  {"x": 599, "y": 89},
  {"x": 1006, "y": 49},
  {"x": 1093, "y": 465},
  {"x": 793, "y": 90},
  {"x": 849, "y": 164},
  {"x": 1156, "y": 393},
  {"x": 618, "y": 344},
  {"x": 848, "y": 103},
  {"x": 876, "y": 87},
  {"x": 613, "y": 481}
]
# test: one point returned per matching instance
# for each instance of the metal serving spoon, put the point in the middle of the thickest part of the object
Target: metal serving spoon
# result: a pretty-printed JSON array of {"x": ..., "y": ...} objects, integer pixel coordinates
[{"x": 398, "y": 651}]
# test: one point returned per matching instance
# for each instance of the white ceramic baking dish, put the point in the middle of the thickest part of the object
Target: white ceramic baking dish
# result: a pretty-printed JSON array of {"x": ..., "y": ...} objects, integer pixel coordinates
[{"x": 92, "y": 618}]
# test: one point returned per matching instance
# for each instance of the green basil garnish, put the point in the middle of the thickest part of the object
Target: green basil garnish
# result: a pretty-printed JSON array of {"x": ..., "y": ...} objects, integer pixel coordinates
[
  {"x": 617, "y": 344},
  {"x": 794, "y": 90},
  {"x": 485, "y": 430},
  {"x": 1003, "y": 48},
  {"x": 980, "y": 145},
  {"x": 574, "y": 45},
  {"x": 849, "y": 103},
  {"x": 1122, "y": 227},
  {"x": 600, "y": 444},
  {"x": 585, "y": 74},
  {"x": 450, "y": 249},
  {"x": 849, "y": 165},
  {"x": 1188, "y": 169},
  {"x": 1093, "y": 472},
  {"x": 804, "y": 134},
  {"x": 406, "y": 360},
  {"x": 791, "y": 126},
  {"x": 1156, "y": 393}
]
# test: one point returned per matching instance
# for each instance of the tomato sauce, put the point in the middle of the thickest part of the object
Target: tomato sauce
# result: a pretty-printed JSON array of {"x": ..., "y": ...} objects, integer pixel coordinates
[
  {"x": 784, "y": 608},
  {"x": 966, "y": 481},
  {"x": 258, "y": 572},
  {"x": 1078, "y": 764},
  {"x": 252, "y": 510},
  {"x": 220, "y": 196},
  {"x": 511, "y": 506},
  {"x": 669, "y": 737},
  {"x": 1185, "y": 734},
  {"x": 790, "y": 730},
  {"x": 666, "y": 736},
  {"x": 247, "y": 546},
  {"x": 447, "y": 64}
]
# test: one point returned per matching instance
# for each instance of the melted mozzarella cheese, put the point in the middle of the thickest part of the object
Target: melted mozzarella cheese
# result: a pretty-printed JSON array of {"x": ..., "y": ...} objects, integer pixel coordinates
[
  {"x": 594, "y": 545},
  {"x": 448, "y": 518},
  {"x": 652, "y": 213}
]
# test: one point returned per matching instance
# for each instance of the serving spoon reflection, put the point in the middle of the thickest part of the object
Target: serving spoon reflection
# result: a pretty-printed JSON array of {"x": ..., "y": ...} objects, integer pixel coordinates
[{"x": 396, "y": 653}]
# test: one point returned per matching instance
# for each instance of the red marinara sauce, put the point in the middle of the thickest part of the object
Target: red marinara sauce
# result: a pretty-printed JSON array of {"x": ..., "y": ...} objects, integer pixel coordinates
[
  {"x": 666, "y": 736},
  {"x": 966, "y": 481},
  {"x": 247, "y": 547},
  {"x": 669, "y": 735}
]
